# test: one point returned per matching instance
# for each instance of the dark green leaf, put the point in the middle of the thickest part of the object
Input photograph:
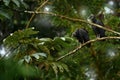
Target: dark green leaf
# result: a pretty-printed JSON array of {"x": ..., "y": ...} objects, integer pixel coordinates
[{"x": 5, "y": 14}]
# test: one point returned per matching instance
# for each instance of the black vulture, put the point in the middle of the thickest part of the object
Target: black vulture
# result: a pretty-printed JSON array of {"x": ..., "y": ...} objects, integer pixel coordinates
[
  {"x": 81, "y": 35},
  {"x": 99, "y": 32}
]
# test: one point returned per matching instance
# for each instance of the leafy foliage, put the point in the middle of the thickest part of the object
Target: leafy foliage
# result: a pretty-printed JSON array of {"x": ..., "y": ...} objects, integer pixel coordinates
[{"x": 28, "y": 56}]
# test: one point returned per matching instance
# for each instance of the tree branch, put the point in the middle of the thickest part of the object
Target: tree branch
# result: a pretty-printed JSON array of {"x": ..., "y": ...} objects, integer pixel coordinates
[
  {"x": 33, "y": 14},
  {"x": 73, "y": 19},
  {"x": 78, "y": 20},
  {"x": 82, "y": 45}
]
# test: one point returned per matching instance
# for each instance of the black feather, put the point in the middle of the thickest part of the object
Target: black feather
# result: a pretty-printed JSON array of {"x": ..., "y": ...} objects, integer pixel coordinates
[
  {"x": 99, "y": 32},
  {"x": 82, "y": 36}
]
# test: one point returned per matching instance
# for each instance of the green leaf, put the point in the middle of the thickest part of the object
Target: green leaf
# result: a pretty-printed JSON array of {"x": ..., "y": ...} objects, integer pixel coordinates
[
  {"x": 61, "y": 42},
  {"x": 16, "y": 2},
  {"x": 45, "y": 39},
  {"x": 44, "y": 49},
  {"x": 63, "y": 38},
  {"x": 65, "y": 67},
  {"x": 37, "y": 55},
  {"x": 27, "y": 70},
  {"x": 42, "y": 54},
  {"x": 60, "y": 67},
  {"x": 6, "y": 2},
  {"x": 21, "y": 61},
  {"x": 27, "y": 58},
  {"x": 54, "y": 68},
  {"x": 24, "y": 4},
  {"x": 4, "y": 14},
  {"x": 68, "y": 39},
  {"x": 19, "y": 36}
]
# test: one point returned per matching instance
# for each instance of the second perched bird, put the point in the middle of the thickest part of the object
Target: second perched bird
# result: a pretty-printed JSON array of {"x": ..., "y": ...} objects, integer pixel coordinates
[
  {"x": 82, "y": 36},
  {"x": 99, "y": 32}
]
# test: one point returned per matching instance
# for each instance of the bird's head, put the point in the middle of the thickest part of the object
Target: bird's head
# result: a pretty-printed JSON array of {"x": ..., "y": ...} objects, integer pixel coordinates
[
  {"x": 91, "y": 18},
  {"x": 76, "y": 33}
]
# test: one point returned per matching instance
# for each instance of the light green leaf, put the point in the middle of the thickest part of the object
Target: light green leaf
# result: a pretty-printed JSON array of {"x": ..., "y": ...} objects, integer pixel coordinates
[
  {"x": 36, "y": 56},
  {"x": 46, "y": 39},
  {"x": 16, "y": 2},
  {"x": 27, "y": 58},
  {"x": 60, "y": 67},
  {"x": 68, "y": 39},
  {"x": 42, "y": 54},
  {"x": 61, "y": 42},
  {"x": 54, "y": 68},
  {"x": 63, "y": 38},
  {"x": 21, "y": 61},
  {"x": 24, "y": 4},
  {"x": 65, "y": 67},
  {"x": 6, "y": 2}
]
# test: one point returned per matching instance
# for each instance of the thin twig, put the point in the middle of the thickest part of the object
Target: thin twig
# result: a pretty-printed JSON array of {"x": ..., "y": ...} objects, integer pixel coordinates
[
  {"x": 33, "y": 14},
  {"x": 82, "y": 45},
  {"x": 74, "y": 19}
]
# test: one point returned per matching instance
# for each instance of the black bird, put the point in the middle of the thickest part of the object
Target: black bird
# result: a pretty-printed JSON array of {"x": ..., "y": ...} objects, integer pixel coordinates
[
  {"x": 99, "y": 32},
  {"x": 82, "y": 36}
]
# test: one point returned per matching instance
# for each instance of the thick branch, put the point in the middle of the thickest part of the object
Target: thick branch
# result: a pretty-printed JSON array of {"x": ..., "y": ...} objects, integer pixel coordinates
[
  {"x": 82, "y": 45},
  {"x": 74, "y": 19},
  {"x": 33, "y": 14}
]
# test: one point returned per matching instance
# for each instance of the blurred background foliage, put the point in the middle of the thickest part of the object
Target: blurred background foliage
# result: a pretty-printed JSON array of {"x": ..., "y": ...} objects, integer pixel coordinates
[{"x": 31, "y": 53}]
